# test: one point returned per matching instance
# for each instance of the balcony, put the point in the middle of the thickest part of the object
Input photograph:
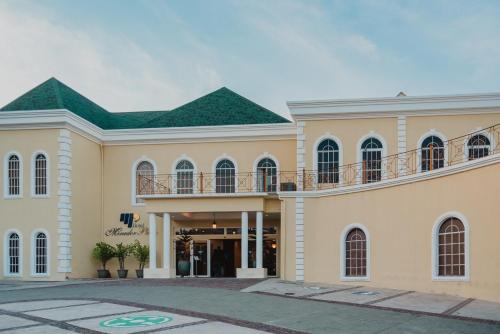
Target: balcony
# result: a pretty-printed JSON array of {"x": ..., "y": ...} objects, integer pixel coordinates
[{"x": 374, "y": 168}]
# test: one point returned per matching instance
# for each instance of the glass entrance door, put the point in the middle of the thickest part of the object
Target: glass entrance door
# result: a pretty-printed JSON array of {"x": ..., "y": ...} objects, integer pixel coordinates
[{"x": 200, "y": 258}]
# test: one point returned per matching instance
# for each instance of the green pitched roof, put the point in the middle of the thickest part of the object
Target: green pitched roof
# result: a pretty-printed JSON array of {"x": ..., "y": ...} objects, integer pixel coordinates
[
  {"x": 53, "y": 94},
  {"x": 222, "y": 107}
]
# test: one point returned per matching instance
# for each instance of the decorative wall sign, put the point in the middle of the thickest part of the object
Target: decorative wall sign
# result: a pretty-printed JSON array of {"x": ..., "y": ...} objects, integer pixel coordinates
[{"x": 132, "y": 228}]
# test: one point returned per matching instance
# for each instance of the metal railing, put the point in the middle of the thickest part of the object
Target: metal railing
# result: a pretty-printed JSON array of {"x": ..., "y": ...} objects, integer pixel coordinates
[{"x": 373, "y": 168}]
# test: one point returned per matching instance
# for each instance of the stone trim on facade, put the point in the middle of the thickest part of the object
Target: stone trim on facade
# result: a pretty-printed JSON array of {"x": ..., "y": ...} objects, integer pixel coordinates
[{"x": 64, "y": 203}]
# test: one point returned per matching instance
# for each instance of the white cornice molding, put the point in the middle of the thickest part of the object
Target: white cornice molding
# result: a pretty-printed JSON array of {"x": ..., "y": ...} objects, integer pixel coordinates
[
  {"x": 394, "y": 106},
  {"x": 449, "y": 170},
  {"x": 246, "y": 132},
  {"x": 50, "y": 119}
]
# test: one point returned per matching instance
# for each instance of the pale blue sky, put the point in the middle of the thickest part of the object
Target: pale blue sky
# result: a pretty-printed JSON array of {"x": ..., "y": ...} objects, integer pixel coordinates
[{"x": 148, "y": 55}]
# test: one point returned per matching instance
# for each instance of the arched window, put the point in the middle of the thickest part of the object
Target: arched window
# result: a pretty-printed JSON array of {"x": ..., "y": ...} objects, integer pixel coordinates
[
  {"x": 478, "y": 146},
  {"x": 371, "y": 150},
  {"x": 41, "y": 257},
  {"x": 185, "y": 176},
  {"x": 144, "y": 180},
  {"x": 14, "y": 255},
  {"x": 451, "y": 248},
  {"x": 14, "y": 176},
  {"x": 432, "y": 153},
  {"x": 266, "y": 175},
  {"x": 328, "y": 161},
  {"x": 355, "y": 253},
  {"x": 225, "y": 177},
  {"x": 40, "y": 175}
]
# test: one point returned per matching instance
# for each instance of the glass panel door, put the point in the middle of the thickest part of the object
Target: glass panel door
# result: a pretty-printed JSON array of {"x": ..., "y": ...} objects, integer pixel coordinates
[{"x": 200, "y": 257}]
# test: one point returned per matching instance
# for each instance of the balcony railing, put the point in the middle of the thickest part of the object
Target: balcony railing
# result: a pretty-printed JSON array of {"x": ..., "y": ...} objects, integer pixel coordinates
[{"x": 374, "y": 168}]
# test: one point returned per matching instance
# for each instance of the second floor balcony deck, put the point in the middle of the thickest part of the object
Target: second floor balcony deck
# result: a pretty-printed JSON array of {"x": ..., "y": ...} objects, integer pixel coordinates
[{"x": 268, "y": 181}]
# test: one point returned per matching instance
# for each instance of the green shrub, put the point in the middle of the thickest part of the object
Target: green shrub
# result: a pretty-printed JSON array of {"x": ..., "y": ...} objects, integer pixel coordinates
[{"x": 103, "y": 252}]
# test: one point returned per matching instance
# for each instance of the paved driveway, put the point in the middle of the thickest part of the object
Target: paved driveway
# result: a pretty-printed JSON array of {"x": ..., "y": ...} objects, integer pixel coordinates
[
  {"x": 205, "y": 302},
  {"x": 89, "y": 316}
]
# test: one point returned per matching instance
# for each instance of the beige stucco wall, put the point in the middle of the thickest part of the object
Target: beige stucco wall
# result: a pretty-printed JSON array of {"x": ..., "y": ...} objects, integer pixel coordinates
[
  {"x": 400, "y": 221},
  {"x": 86, "y": 224},
  {"x": 118, "y": 162},
  {"x": 349, "y": 132},
  {"x": 27, "y": 214}
]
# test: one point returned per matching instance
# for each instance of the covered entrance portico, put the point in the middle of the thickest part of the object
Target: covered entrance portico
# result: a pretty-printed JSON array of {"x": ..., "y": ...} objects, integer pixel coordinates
[{"x": 223, "y": 243}]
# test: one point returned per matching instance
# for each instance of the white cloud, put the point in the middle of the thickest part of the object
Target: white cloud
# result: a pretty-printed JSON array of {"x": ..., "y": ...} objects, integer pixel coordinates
[{"x": 113, "y": 72}]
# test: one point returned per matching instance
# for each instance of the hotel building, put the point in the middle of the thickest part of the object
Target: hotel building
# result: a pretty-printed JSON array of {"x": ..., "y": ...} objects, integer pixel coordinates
[{"x": 393, "y": 192}]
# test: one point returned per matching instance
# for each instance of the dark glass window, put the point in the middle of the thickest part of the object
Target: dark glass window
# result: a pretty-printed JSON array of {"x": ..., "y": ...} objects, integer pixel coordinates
[
  {"x": 478, "y": 146},
  {"x": 41, "y": 253},
  {"x": 144, "y": 180},
  {"x": 185, "y": 177},
  {"x": 266, "y": 175},
  {"x": 432, "y": 153},
  {"x": 451, "y": 248},
  {"x": 14, "y": 176},
  {"x": 371, "y": 151},
  {"x": 14, "y": 256},
  {"x": 328, "y": 161},
  {"x": 40, "y": 175},
  {"x": 355, "y": 253},
  {"x": 225, "y": 177}
]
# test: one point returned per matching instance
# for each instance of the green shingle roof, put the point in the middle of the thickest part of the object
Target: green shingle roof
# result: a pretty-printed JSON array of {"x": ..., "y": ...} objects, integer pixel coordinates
[{"x": 221, "y": 107}]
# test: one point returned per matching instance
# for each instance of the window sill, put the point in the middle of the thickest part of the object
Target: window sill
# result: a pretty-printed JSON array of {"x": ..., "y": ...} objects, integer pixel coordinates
[
  {"x": 451, "y": 278},
  {"x": 13, "y": 197},
  {"x": 40, "y": 275},
  {"x": 12, "y": 275},
  {"x": 355, "y": 279},
  {"x": 40, "y": 196}
]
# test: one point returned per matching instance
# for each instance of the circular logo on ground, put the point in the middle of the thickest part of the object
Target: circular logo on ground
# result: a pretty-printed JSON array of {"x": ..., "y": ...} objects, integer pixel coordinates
[{"x": 135, "y": 321}]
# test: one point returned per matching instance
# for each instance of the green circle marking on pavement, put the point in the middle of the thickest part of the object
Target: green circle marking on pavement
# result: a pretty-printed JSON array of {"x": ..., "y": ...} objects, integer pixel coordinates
[{"x": 135, "y": 321}]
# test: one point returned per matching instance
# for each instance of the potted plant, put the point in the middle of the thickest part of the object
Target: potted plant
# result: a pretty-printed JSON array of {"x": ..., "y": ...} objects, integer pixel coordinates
[
  {"x": 103, "y": 252},
  {"x": 184, "y": 244},
  {"x": 121, "y": 253},
  {"x": 141, "y": 253}
]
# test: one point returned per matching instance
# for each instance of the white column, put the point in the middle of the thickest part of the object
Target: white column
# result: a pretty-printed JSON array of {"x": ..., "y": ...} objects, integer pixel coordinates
[
  {"x": 152, "y": 241},
  {"x": 244, "y": 240},
  {"x": 259, "y": 240},
  {"x": 166, "y": 240}
]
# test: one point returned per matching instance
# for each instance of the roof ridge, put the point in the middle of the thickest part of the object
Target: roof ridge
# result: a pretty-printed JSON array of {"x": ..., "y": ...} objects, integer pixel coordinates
[
  {"x": 55, "y": 86},
  {"x": 254, "y": 103}
]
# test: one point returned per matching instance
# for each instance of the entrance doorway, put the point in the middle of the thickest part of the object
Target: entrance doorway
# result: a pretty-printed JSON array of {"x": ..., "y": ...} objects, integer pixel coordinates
[
  {"x": 226, "y": 257},
  {"x": 216, "y": 251}
]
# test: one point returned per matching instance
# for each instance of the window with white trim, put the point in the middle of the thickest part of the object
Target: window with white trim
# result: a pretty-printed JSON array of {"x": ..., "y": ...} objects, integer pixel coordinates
[
  {"x": 451, "y": 248},
  {"x": 266, "y": 175},
  {"x": 41, "y": 249},
  {"x": 355, "y": 253},
  {"x": 478, "y": 146},
  {"x": 225, "y": 174},
  {"x": 328, "y": 161},
  {"x": 14, "y": 257},
  {"x": 185, "y": 177},
  {"x": 144, "y": 180},
  {"x": 432, "y": 151},
  {"x": 371, "y": 153},
  {"x": 40, "y": 181},
  {"x": 13, "y": 176}
]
